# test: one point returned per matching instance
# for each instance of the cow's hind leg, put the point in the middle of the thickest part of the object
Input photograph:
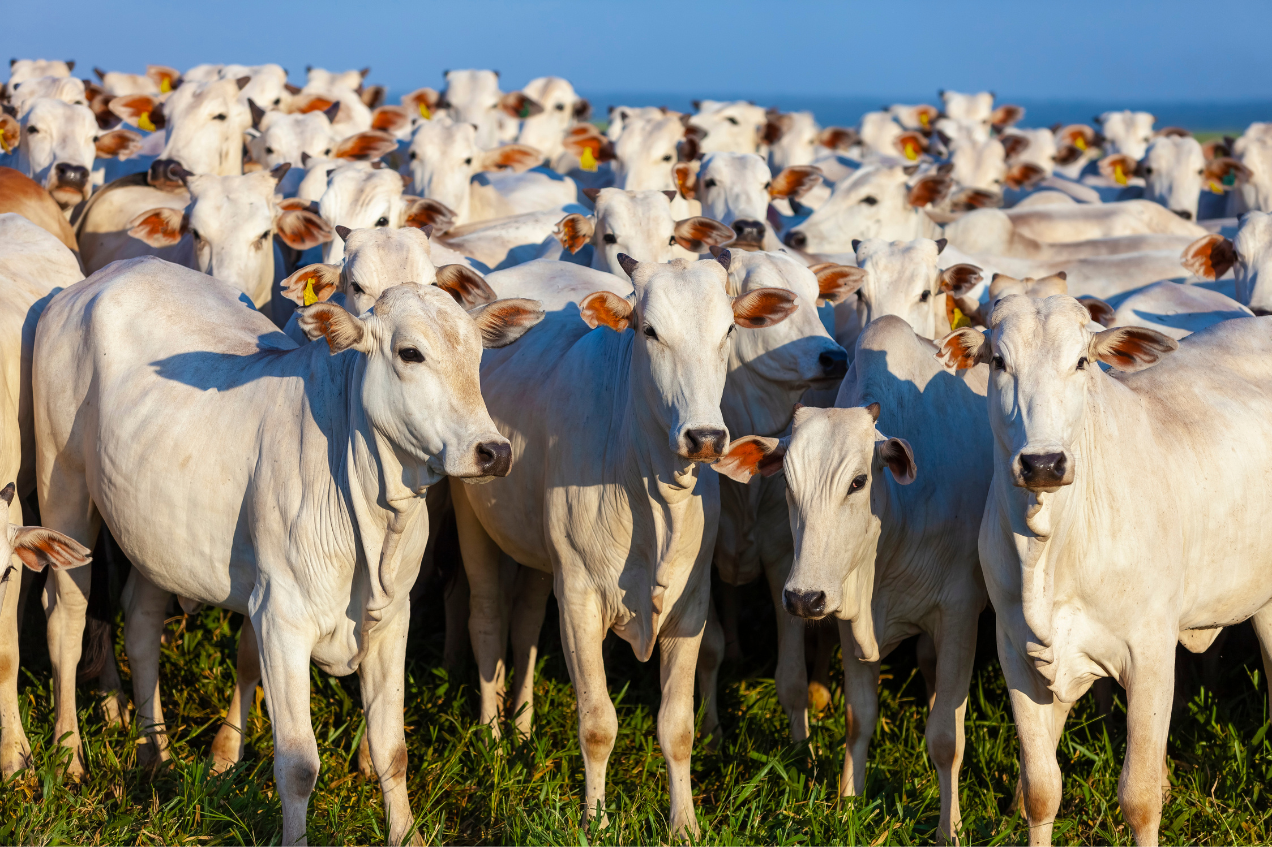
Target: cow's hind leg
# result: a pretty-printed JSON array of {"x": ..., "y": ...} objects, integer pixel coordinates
[
  {"x": 533, "y": 588},
  {"x": 15, "y": 750},
  {"x": 227, "y": 747},
  {"x": 383, "y": 698},
  {"x": 145, "y": 608},
  {"x": 955, "y": 651},
  {"x": 710, "y": 656}
]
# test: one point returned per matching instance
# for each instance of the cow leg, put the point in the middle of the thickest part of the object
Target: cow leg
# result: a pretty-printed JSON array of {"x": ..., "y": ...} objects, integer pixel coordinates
[
  {"x": 486, "y": 617},
  {"x": 728, "y": 605},
  {"x": 1149, "y": 697},
  {"x": 823, "y": 635},
  {"x": 458, "y": 599},
  {"x": 925, "y": 655},
  {"x": 15, "y": 750},
  {"x": 678, "y": 647},
  {"x": 710, "y": 657},
  {"x": 285, "y": 651},
  {"x": 861, "y": 705},
  {"x": 383, "y": 698},
  {"x": 583, "y": 629},
  {"x": 955, "y": 651},
  {"x": 531, "y": 604},
  {"x": 114, "y": 702},
  {"x": 1262, "y": 622},
  {"x": 227, "y": 747},
  {"x": 145, "y": 608},
  {"x": 791, "y": 676}
]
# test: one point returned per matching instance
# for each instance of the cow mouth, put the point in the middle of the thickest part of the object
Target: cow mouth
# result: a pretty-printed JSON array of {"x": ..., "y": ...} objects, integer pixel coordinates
[
  {"x": 68, "y": 196},
  {"x": 748, "y": 245}
]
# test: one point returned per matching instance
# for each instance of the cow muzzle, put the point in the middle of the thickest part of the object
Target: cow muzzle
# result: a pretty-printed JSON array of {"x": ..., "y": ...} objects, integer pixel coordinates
[
  {"x": 1183, "y": 213},
  {"x": 749, "y": 235},
  {"x": 833, "y": 364},
  {"x": 1043, "y": 471},
  {"x": 70, "y": 176},
  {"x": 796, "y": 239},
  {"x": 703, "y": 443},
  {"x": 805, "y": 604},
  {"x": 493, "y": 458}
]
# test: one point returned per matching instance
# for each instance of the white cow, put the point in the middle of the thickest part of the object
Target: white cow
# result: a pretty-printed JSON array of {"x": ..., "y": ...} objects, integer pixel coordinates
[
  {"x": 1175, "y": 172},
  {"x": 203, "y": 124},
  {"x": 887, "y": 558},
  {"x": 1095, "y": 567},
  {"x": 1177, "y": 310},
  {"x": 334, "y": 442},
  {"x": 158, "y": 79},
  {"x": 1254, "y": 181},
  {"x": 630, "y": 551},
  {"x": 68, "y": 89},
  {"x": 1126, "y": 132},
  {"x": 736, "y": 189},
  {"x": 20, "y": 70},
  {"x": 473, "y": 96},
  {"x": 308, "y": 140},
  {"x": 795, "y": 138},
  {"x": 730, "y": 127},
  {"x": 359, "y": 196},
  {"x": 646, "y": 151},
  {"x": 623, "y": 117},
  {"x": 562, "y": 109},
  {"x": 1249, "y": 256}
]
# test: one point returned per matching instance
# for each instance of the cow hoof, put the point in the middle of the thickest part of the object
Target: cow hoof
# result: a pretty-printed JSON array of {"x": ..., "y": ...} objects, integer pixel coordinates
[
  {"x": 227, "y": 749},
  {"x": 818, "y": 697},
  {"x": 76, "y": 772},
  {"x": 150, "y": 754},
  {"x": 364, "y": 759},
  {"x": 115, "y": 711},
  {"x": 14, "y": 756}
]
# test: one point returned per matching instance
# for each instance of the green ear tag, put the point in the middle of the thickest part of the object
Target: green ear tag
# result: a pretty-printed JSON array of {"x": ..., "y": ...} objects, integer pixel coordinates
[
  {"x": 524, "y": 113},
  {"x": 1229, "y": 178}
]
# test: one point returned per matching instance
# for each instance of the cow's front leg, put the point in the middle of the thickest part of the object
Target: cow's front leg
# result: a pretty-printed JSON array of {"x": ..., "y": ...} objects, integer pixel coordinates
[
  {"x": 145, "y": 608},
  {"x": 227, "y": 747},
  {"x": 955, "y": 651},
  {"x": 710, "y": 656},
  {"x": 1150, "y": 686},
  {"x": 861, "y": 712},
  {"x": 382, "y": 674},
  {"x": 583, "y": 629},
  {"x": 791, "y": 675},
  {"x": 15, "y": 750},
  {"x": 679, "y": 643},
  {"x": 285, "y": 650}
]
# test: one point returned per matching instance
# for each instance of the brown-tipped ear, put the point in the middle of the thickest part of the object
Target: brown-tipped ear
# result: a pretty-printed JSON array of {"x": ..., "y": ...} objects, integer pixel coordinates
[
  {"x": 342, "y": 330},
  {"x": 911, "y": 144},
  {"x": 1216, "y": 148},
  {"x": 763, "y": 307},
  {"x": 604, "y": 308},
  {"x": 39, "y": 548},
  {"x": 1172, "y": 132},
  {"x": 504, "y": 321},
  {"x": 1005, "y": 115},
  {"x": 468, "y": 287},
  {"x": 517, "y": 105},
  {"x": 959, "y": 279},
  {"x": 968, "y": 199},
  {"x": 1119, "y": 167},
  {"x": 628, "y": 264},
  {"x": 836, "y": 283},
  {"x": 138, "y": 110},
  {"x": 425, "y": 211},
  {"x": 366, "y": 145},
  {"x": 1024, "y": 175},
  {"x": 302, "y": 230},
  {"x": 930, "y": 189},
  {"x": 518, "y": 157},
  {"x": 373, "y": 96},
  {"x": 1224, "y": 172},
  {"x": 697, "y": 233},
  {"x": 837, "y": 137},
  {"x": 1100, "y": 312},
  {"x": 1131, "y": 348},
  {"x": 159, "y": 227},
  {"x": 794, "y": 182},
  {"x": 750, "y": 455},
  {"x": 575, "y": 230},
  {"x": 118, "y": 143},
  {"x": 963, "y": 348},
  {"x": 10, "y": 132},
  {"x": 422, "y": 101},
  {"x": 897, "y": 455},
  {"x": 686, "y": 175},
  {"x": 6, "y": 494},
  {"x": 311, "y": 284},
  {"x": 390, "y": 118},
  {"x": 1014, "y": 145},
  {"x": 1209, "y": 257}
]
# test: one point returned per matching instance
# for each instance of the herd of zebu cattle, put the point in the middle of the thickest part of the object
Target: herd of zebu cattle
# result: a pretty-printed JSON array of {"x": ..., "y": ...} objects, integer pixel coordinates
[{"x": 930, "y": 361}]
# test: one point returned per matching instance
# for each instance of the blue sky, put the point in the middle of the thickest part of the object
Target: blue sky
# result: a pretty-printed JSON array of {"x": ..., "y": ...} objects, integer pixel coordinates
[{"x": 1137, "y": 51}]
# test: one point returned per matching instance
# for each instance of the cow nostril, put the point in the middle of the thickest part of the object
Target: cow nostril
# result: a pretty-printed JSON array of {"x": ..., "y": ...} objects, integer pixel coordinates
[
  {"x": 1026, "y": 467},
  {"x": 834, "y": 363},
  {"x": 805, "y": 604},
  {"x": 71, "y": 174},
  {"x": 705, "y": 442},
  {"x": 1260, "y": 312},
  {"x": 1184, "y": 213},
  {"x": 1044, "y": 469},
  {"x": 494, "y": 458},
  {"x": 796, "y": 239}
]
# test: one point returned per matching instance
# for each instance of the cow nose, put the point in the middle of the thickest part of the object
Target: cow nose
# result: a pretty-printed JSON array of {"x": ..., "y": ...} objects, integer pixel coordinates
[
  {"x": 805, "y": 604},
  {"x": 1042, "y": 470},
  {"x": 1183, "y": 213},
  {"x": 71, "y": 176},
  {"x": 834, "y": 364},
  {"x": 748, "y": 231},
  {"x": 705, "y": 443},
  {"x": 494, "y": 458},
  {"x": 796, "y": 239}
]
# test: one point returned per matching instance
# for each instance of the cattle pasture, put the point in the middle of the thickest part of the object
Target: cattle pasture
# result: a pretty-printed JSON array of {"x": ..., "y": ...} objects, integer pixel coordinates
[{"x": 755, "y": 788}]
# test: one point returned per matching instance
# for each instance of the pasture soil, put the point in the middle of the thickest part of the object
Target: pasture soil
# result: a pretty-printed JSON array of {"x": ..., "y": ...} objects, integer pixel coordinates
[{"x": 756, "y": 787}]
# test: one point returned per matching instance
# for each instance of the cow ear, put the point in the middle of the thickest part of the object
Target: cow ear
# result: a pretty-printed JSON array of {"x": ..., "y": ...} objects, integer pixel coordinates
[
  {"x": 837, "y": 137},
  {"x": 1006, "y": 115},
  {"x": 138, "y": 110},
  {"x": 373, "y": 96},
  {"x": 930, "y": 189},
  {"x": 897, "y": 455},
  {"x": 836, "y": 283},
  {"x": 1209, "y": 257},
  {"x": 696, "y": 234},
  {"x": 159, "y": 227},
  {"x": 504, "y": 321},
  {"x": 311, "y": 284},
  {"x": 750, "y": 455},
  {"x": 342, "y": 330},
  {"x": 1024, "y": 175},
  {"x": 425, "y": 211},
  {"x": 301, "y": 230},
  {"x": 794, "y": 182},
  {"x": 467, "y": 286},
  {"x": 686, "y": 175},
  {"x": 10, "y": 132},
  {"x": 763, "y": 307},
  {"x": 1131, "y": 348},
  {"x": 604, "y": 308},
  {"x": 1119, "y": 167},
  {"x": 39, "y": 548},
  {"x": 518, "y": 157},
  {"x": 1014, "y": 145},
  {"x": 390, "y": 118},
  {"x": 362, "y": 146},
  {"x": 959, "y": 279},
  {"x": 1100, "y": 312},
  {"x": 258, "y": 114},
  {"x": 963, "y": 348},
  {"x": 1222, "y": 173},
  {"x": 118, "y": 143},
  {"x": 517, "y": 105},
  {"x": 575, "y": 230},
  {"x": 911, "y": 144}
]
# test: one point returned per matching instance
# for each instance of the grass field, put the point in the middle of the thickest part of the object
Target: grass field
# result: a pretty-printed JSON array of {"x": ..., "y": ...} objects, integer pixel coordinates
[{"x": 755, "y": 788}]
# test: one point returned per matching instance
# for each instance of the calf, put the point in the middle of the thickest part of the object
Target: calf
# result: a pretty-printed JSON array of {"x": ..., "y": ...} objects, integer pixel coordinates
[{"x": 400, "y": 409}]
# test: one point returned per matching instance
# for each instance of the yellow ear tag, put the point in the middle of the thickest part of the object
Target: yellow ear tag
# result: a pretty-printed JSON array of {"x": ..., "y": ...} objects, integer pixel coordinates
[
  {"x": 4, "y": 145},
  {"x": 145, "y": 123},
  {"x": 911, "y": 150},
  {"x": 165, "y": 85},
  {"x": 1080, "y": 142},
  {"x": 424, "y": 112},
  {"x": 588, "y": 161},
  {"x": 1216, "y": 187},
  {"x": 1119, "y": 176},
  {"x": 924, "y": 120},
  {"x": 960, "y": 320},
  {"x": 310, "y": 297}
]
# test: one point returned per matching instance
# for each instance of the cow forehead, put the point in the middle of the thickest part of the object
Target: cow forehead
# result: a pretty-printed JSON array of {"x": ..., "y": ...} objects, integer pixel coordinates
[
  {"x": 735, "y": 166},
  {"x": 1042, "y": 329},
  {"x": 58, "y": 113},
  {"x": 680, "y": 286},
  {"x": 616, "y": 204},
  {"x": 429, "y": 311},
  {"x": 828, "y": 438},
  {"x": 1254, "y": 236},
  {"x": 773, "y": 270},
  {"x": 391, "y": 255},
  {"x": 880, "y": 256}
]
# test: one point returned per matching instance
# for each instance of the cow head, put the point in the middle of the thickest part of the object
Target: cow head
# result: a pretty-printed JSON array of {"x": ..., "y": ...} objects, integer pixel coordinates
[
  {"x": 979, "y": 164},
  {"x": 1174, "y": 170},
  {"x": 204, "y": 124},
  {"x": 58, "y": 143},
  {"x": 420, "y": 386},
  {"x": 359, "y": 196},
  {"x": 1043, "y": 360},
  {"x": 562, "y": 108},
  {"x": 736, "y": 127},
  {"x": 444, "y": 157},
  {"x": 902, "y": 278},
  {"x": 1249, "y": 256},
  {"x": 1253, "y": 151},
  {"x": 646, "y": 152},
  {"x": 1127, "y": 132},
  {"x": 735, "y": 189},
  {"x": 474, "y": 97}
]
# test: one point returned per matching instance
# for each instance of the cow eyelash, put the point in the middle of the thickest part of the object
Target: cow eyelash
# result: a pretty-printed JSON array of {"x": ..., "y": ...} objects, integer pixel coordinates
[
  {"x": 1082, "y": 363},
  {"x": 410, "y": 354},
  {"x": 711, "y": 183},
  {"x": 357, "y": 289},
  {"x": 858, "y": 483},
  {"x": 649, "y": 332},
  {"x": 925, "y": 296},
  {"x": 671, "y": 241},
  {"x": 869, "y": 201}
]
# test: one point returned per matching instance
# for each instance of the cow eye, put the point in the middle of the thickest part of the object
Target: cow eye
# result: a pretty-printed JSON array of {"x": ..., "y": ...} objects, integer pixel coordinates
[
  {"x": 1148, "y": 171},
  {"x": 733, "y": 121},
  {"x": 1082, "y": 363},
  {"x": 265, "y": 235},
  {"x": 667, "y": 158},
  {"x": 383, "y": 221},
  {"x": 277, "y": 100},
  {"x": 923, "y": 298},
  {"x": 357, "y": 289},
  {"x": 671, "y": 241},
  {"x": 768, "y": 185},
  {"x": 468, "y": 161},
  {"x": 269, "y": 151},
  {"x": 858, "y": 483},
  {"x": 711, "y": 183},
  {"x": 560, "y": 107},
  {"x": 411, "y": 156},
  {"x": 610, "y": 238},
  {"x": 998, "y": 364},
  {"x": 219, "y": 117},
  {"x": 869, "y": 200},
  {"x": 196, "y": 235},
  {"x": 31, "y": 130},
  {"x": 649, "y": 332},
  {"x": 1200, "y": 172},
  {"x": 410, "y": 354}
]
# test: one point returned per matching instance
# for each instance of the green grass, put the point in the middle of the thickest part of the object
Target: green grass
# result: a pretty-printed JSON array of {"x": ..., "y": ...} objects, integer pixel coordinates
[{"x": 756, "y": 788}]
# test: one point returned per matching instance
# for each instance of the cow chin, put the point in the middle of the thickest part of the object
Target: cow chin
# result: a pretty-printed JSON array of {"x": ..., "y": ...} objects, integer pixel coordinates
[{"x": 68, "y": 197}]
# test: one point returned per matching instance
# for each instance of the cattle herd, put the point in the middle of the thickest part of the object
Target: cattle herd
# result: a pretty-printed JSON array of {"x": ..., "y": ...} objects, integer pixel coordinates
[{"x": 897, "y": 370}]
